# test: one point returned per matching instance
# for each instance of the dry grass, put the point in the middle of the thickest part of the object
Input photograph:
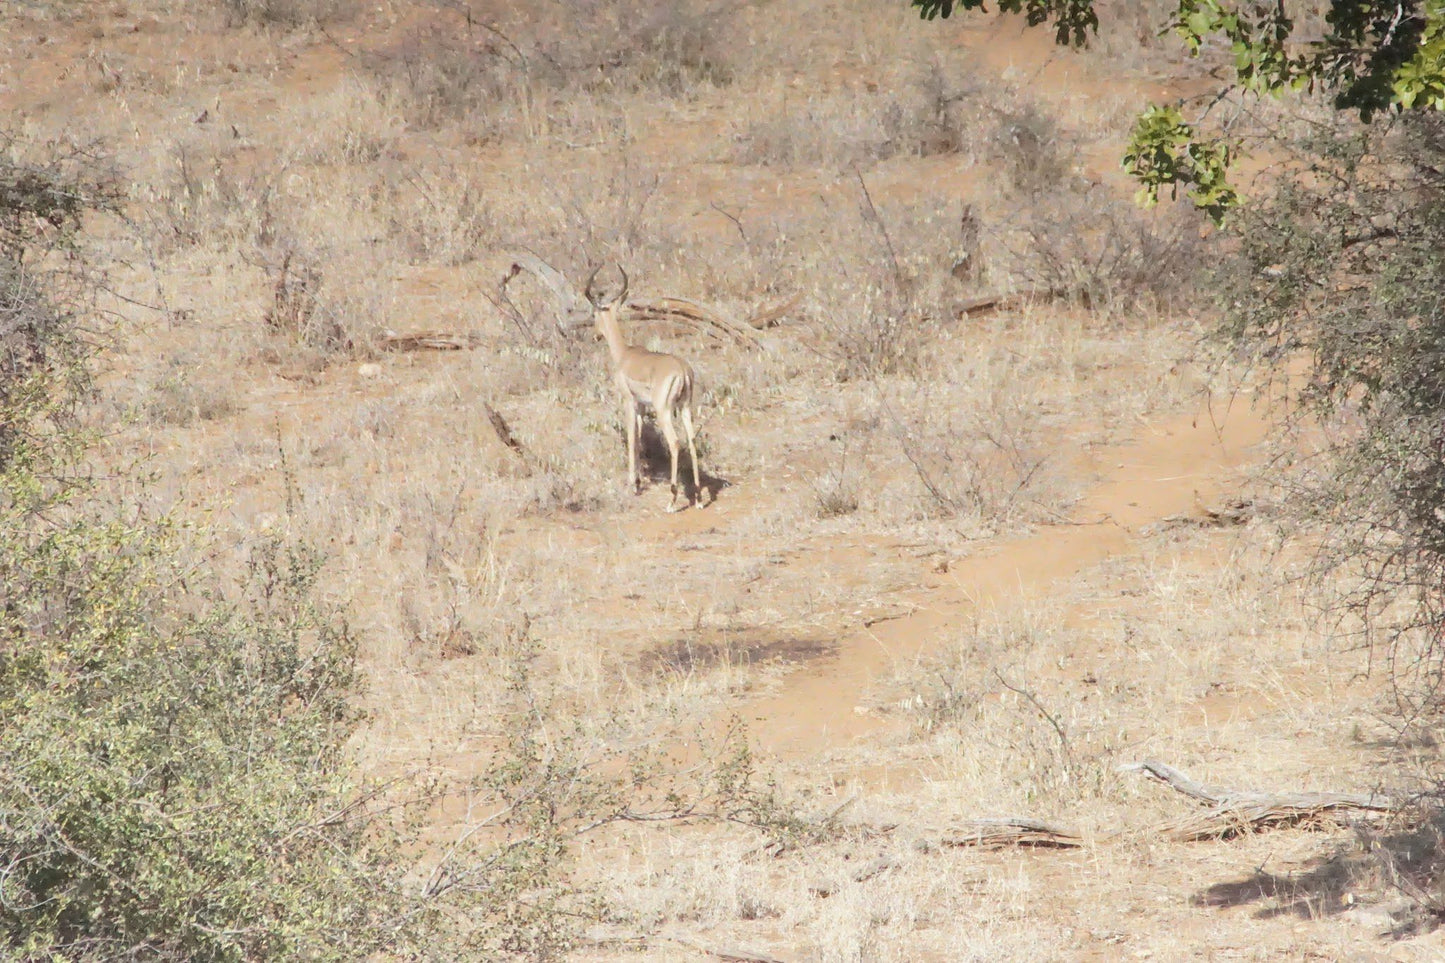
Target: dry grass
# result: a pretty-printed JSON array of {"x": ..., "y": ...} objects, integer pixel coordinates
[{"x": 740, "y": 156}]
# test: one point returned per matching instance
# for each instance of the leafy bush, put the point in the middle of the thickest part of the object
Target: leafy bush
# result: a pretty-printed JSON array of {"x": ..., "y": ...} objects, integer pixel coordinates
[{"x": 173, "y": 782}]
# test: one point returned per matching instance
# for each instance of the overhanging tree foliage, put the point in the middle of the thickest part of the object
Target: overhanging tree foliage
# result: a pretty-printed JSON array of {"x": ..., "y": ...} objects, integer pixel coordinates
[{"x": 1373, "y": 57}]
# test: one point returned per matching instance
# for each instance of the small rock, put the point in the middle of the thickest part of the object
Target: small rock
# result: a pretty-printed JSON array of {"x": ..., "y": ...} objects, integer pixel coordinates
[{"x": 369, "y": 370}]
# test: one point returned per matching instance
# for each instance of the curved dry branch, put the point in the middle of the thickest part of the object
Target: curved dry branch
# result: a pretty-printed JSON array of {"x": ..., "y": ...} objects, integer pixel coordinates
[
  {"x": 1231, "y": 812},
  {"x": 692, "y": 314}
]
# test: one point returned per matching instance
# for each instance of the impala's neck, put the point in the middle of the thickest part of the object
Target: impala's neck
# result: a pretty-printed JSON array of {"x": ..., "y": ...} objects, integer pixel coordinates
[{"x": 612, "y": 331}]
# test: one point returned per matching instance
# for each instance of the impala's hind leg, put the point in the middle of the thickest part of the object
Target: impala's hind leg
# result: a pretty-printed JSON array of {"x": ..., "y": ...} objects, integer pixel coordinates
[
  {"x": 669, "y": 432},
  {"x": 692, "y": 453}
]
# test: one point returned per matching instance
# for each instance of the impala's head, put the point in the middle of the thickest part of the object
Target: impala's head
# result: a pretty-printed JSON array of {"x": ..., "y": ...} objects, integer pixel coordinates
[{"x": 604, "y": 308}]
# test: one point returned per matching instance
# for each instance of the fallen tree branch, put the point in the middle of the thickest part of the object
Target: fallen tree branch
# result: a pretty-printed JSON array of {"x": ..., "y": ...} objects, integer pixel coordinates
[
  {"x": 989, "y": 303},
  {"x": 1010, "y": 831},
  {"x": 427, "y": 341},
  {"x": 1232, "y": 812}
]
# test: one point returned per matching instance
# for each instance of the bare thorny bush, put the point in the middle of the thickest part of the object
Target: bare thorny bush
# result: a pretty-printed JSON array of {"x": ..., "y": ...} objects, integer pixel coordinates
[
  {"x": 49, "y": 289},
  {"x": 509, "y": 71}
]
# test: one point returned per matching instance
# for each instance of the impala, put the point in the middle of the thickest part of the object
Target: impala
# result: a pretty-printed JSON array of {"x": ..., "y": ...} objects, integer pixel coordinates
[{"x": 663, "y": 381}]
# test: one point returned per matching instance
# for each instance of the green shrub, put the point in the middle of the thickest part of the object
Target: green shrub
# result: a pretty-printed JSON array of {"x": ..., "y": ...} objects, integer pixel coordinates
[{"x": 173, "y": 781}]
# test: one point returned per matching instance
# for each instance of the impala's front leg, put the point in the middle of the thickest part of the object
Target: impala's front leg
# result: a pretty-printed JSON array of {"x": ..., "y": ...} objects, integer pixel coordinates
[{"x": 632, "y": 416}]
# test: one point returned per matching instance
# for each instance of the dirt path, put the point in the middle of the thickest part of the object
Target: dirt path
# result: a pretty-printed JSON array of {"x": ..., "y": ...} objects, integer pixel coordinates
[{"x": 1168, "y": 469}]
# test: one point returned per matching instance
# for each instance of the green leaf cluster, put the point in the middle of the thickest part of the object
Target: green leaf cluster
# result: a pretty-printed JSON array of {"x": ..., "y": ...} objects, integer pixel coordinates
[
  {"x": 1165, "y": 152},
  {"x": 1073, "y": 20}
]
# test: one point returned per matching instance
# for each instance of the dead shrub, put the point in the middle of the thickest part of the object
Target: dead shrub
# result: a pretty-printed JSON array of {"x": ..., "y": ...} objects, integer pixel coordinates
[
  {"x": 837, "y": 489},
  {"x": 1031, "y": 149},
  {"x": 991, "y": 465},
  {"x": 356, "y": 124},
  {"x": 309, "y": 315},
  {"x": 435, "y": 77},
  {"x": 436, "y": 213},
  {"x": 215, "y": 199},
  {"x": 846, "y": 128},
  {"x": 177, "y": 399},
  {"x": 279, "y": 13},
  {"x": 677, "y": 49},
  {"x": 516, "y": 75},
  {"x": 1103, "y": 253}
]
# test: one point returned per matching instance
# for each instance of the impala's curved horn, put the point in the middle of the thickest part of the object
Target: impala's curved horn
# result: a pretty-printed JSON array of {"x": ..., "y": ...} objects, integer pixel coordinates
[
  {"x": 587, "y": 290},
  {"x": 622, "y": 295}
]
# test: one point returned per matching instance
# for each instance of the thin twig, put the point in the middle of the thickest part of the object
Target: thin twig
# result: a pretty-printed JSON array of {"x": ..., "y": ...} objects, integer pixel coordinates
[
  {"x": 1052, "y": 720},
  {"x": 736, "y": 222},
  {"x": 882, "y": 229}
]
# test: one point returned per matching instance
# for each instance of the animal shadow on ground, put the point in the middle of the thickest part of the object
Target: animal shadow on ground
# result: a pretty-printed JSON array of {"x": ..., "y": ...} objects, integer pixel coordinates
[
  {"x": 654, "y": 464},
  {"x": 689, "y": 654},
  {"x": 1409, "y": 861}
]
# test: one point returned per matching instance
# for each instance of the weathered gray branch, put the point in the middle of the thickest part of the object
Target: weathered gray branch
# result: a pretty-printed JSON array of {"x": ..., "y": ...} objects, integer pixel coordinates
[
  {"x": 1010, "y": 831},
  {"x": 1232, "y": 811},
  {"x": 573, "y": 307}
]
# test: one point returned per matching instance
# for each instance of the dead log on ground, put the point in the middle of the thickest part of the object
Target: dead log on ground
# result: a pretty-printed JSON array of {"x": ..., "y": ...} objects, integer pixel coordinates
[
  {"x": 1233, "y": 812},
  {"x": 989, "y": 303}
]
